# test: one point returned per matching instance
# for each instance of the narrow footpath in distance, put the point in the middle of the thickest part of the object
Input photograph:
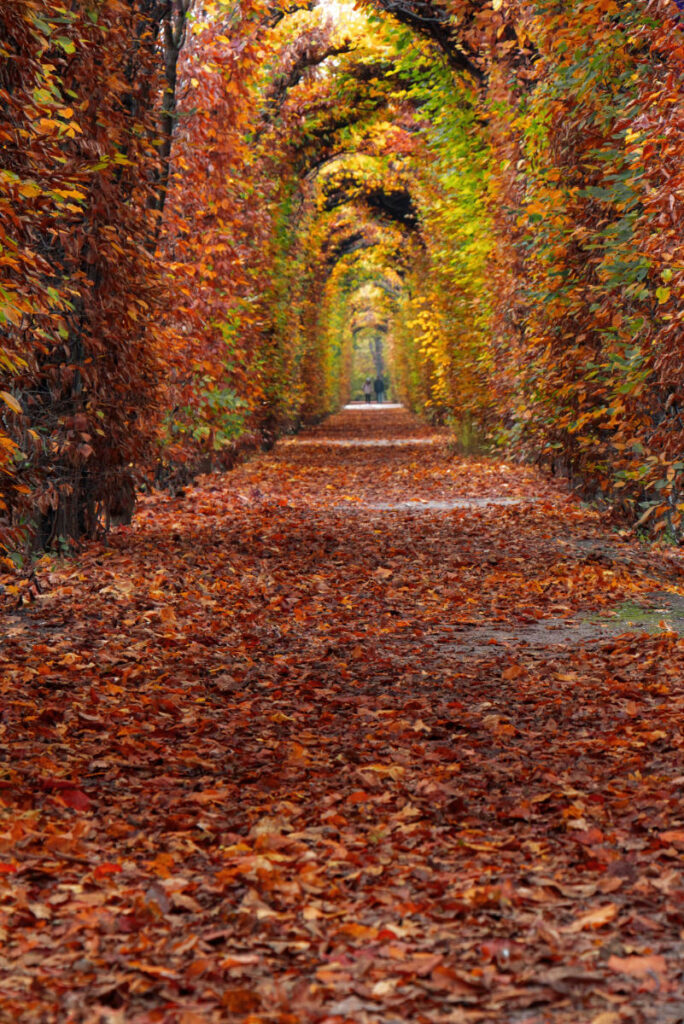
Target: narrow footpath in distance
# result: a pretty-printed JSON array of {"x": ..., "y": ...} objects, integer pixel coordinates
[{"x": 364, "y": 731}]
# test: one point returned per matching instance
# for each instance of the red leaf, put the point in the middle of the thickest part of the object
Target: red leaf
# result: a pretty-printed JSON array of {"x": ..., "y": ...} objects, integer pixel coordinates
[
  {"x": 75, "y": 798},
  {"x": 103, "y": 870}
]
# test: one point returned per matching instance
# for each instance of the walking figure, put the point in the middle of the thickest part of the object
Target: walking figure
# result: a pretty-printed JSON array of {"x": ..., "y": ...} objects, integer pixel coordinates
[
  {"x": 367, "y": 388},
  {"x": 379, "y": 387}
]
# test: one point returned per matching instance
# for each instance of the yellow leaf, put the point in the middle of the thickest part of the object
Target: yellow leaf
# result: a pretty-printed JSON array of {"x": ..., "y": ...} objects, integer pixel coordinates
[{"x": 11, "y": 401}]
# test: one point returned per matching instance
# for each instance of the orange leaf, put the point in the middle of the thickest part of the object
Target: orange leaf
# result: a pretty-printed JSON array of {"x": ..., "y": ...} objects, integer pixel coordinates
[
  {"x": 650, "y": 969},
  {"x": 595, "y": 918},
  {"x": 359, "y": 796},
  {"x": 103, "y": 870},
  {"x": 674, "y": 836},
  {"x": 512, "y": 672}
]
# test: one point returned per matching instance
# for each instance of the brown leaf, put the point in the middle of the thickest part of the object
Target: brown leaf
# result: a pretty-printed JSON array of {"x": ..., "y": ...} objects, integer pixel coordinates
[{"x": 650, "y": 970}]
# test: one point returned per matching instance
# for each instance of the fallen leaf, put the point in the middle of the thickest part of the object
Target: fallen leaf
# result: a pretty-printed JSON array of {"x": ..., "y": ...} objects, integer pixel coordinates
[
  {"x": 595, "y": 918},
  {"x": 650, "y": 970}
]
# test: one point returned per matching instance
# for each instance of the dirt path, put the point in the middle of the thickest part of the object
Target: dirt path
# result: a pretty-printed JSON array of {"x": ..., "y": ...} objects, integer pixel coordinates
[{"x": 345, "y": 736}]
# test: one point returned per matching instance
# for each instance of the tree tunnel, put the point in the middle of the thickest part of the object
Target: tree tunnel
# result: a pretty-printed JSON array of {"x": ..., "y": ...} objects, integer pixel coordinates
[
  {"x": 366, "y": 724},
  {"x": 206, "y": 230}
]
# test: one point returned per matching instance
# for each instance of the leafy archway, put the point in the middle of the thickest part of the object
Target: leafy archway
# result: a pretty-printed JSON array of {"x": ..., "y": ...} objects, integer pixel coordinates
[{"x": 514, "y": 169}]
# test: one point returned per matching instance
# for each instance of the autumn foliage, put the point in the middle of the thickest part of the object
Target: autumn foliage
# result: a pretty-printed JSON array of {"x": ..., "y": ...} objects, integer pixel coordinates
[
  {"x": 344, "y": 736},
  {"x": 80, "y": 289},
  {"x": 495, "y": 192},
  {"x": 385, "y": 724}
]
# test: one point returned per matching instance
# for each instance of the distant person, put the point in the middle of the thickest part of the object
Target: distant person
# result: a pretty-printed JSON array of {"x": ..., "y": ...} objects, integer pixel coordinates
[
  {"x": 367, "y": 389},
  {"x": 379, "y": 387}
]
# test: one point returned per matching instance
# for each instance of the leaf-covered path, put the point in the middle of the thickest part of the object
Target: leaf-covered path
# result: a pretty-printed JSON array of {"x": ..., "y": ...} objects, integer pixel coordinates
[{"x": 337, "y": 737}]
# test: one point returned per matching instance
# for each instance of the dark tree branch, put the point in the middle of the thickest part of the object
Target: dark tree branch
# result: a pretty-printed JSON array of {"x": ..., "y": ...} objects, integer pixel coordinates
[
  {"x": 286, "y": 81},
  {"x": 433, "y": 22},
  {"x": 173, "y": 26}
]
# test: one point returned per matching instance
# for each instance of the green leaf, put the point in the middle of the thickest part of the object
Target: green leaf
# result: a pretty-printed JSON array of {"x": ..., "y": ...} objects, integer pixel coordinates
[
  {"x": 66, "y": 44},
  {"x": 43, "y": 26}
]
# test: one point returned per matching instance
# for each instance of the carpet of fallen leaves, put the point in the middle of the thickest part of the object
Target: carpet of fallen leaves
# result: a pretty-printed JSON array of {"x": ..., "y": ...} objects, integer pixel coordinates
[{"x": 253, "y": 769}]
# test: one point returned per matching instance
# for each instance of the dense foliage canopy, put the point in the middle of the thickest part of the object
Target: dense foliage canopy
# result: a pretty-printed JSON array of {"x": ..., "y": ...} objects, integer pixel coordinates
[{"x": 218, "y": 217}]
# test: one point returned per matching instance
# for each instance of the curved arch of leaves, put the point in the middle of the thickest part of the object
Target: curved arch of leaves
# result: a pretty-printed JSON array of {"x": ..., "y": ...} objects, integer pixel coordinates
[{"x": 518, "y": 174}]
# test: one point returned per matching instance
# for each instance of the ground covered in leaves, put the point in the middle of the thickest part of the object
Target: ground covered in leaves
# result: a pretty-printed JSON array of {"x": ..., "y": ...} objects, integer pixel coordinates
[{"x": 298, "y": 747}]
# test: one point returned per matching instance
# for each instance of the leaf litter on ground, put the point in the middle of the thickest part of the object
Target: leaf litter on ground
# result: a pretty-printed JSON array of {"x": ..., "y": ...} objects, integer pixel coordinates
[{"x": 259, "y": 765}]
